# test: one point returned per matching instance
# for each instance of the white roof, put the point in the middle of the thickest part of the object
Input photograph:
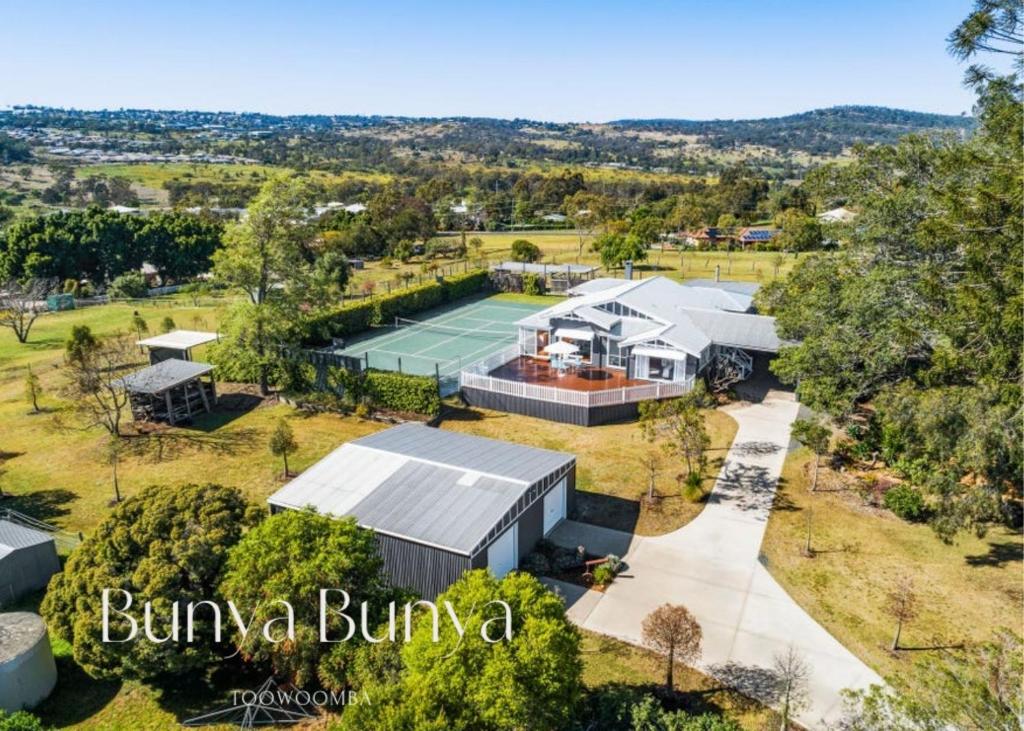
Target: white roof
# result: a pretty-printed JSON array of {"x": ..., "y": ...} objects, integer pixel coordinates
[
  {"x": 689, "y": 318},
  {"x": 660, "y": 353},
  {"x": 179, "y": 339},
  {"x": 574, "y": 333},
  {"x": 837, "y": 215}
]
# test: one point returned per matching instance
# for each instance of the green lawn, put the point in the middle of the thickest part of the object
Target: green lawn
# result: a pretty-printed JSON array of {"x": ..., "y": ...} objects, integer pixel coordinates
[
  {"x": 609, "y": 661},
  {"x": 562, "y": 247},
  {"x": 965, "y": 590},
  {"x": 609, "y": 475}
]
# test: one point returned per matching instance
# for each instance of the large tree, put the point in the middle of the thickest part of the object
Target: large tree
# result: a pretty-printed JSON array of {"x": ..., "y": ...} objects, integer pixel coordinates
[
  {"x": 271, "y": 255},
  {"x": 165, "y": 545},
  {"x": 531, "y": 681},
  {"x": 920, "y": 313},
  {"x": 291, "y": 556}
]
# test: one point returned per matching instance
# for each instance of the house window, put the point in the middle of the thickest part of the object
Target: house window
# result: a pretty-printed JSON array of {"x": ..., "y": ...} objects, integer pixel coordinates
[
  {"x": 616, "y": 359},
  {"x": 660, "y": 368}
]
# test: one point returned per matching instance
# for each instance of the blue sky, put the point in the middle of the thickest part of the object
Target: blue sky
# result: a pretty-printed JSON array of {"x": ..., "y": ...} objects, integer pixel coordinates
[{"x": 558, "y": 61}]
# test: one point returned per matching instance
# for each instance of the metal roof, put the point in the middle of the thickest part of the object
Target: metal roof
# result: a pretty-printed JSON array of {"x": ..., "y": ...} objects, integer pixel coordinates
[
  {"x": 179, "y": 339},
  {"x": 747, "y": 288},
  {"x": 14, "y": 536},
  {"x": 435, "y": 487},
  {"x": 479, "y": 454},
  {"x": 662, "y": 308},
  {"x": 522, "y": 266},
  {"x": 163, "y": 376}
]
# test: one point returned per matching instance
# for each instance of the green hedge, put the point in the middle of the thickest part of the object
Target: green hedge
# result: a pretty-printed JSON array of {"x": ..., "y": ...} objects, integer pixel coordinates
[
  {"x": 403, "y": 392},
  {"x": 356, "y": 317}
]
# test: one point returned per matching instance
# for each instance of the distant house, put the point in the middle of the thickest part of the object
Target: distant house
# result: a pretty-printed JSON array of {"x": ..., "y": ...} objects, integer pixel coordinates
[
  {"x": 441, "y": 503},
  {"x": 750, "y": 236},
  {"x": 555, "y": 218},
  {"x": 28, "y": 558},
  {"x": 707, "y": 237},
  {"x": 837, "y": 215}
]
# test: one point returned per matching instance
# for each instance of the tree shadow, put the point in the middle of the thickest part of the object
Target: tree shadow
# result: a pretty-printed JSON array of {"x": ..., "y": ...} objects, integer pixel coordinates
[
  {"x": 44, "y": 505},
  {"x": 161, "y": 444},
  {"x": 760, "y": 685},
  {"x": 998, "y": 554},
  {"x": 463, "y": 413},
  {"x": 77, "y": 697},
  {"x": 607, "y": 511}
]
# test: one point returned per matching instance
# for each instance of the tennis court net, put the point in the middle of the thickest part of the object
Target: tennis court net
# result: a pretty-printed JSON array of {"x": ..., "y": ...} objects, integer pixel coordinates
[{"x": 429, "y": 327}]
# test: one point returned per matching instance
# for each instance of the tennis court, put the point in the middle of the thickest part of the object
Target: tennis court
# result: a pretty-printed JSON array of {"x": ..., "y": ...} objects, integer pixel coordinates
[{"x": 442, "y": 341}]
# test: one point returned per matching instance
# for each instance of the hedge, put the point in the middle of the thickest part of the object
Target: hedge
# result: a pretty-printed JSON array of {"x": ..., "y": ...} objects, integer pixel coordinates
[
  {"x": 403, "y": 392},
  {"x": 356, "y": 317}
]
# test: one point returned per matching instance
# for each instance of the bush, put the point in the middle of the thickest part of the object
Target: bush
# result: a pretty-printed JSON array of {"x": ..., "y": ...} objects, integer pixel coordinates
[
  {"x": 130, "y": 285},
  {"x": 535, "y": 563},
  {"x": 403, "y": 392},
  {"x": 532, "y": 284},
  {"x": 905, "y": 502},
  {"x": 523, "y": 250},
  {"x": 20, "y": 721},
  {"x": 613, "y": 562},
  {"x": 693, "y": 490},
  {"x": 565, "y": 559},
  {"x": 603, "y": 575}
]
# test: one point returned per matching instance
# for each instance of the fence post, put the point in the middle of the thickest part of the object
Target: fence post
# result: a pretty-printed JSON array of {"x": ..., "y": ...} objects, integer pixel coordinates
[
  {"x": 366, "y": 359},
  {"x": 399, "y": 364}
]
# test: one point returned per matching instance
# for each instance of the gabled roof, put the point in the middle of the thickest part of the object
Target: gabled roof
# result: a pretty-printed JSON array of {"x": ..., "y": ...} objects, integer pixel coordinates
[
  {"x": 747, "y": 288},
  {"x": 163, "y": 376},
  {"x": 14, "y": 537},
  {"x": 673, "y": 313},
  {"x": 422, "y": 484}
]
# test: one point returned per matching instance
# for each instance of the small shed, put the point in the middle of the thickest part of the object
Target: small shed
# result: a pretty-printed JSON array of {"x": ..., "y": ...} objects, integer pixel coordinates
[
  {"x": 440, "y": 502},
  {"x": 175, "y": 344},
  {"x": 28, "y": 558},
  {"x": 27, "y": 671},
  {"x": 172, "y": 390}
]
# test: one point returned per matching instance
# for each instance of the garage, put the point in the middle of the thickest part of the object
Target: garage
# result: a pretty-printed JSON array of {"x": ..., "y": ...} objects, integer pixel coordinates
[
  {"x": 501, "y": 555},
  {"x": 554, "y": 507},
  {"x": 28, "y": 558},
  {"x": 441, "y": 503}
]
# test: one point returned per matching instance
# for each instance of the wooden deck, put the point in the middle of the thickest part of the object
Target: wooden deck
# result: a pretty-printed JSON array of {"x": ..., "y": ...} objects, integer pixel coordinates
[{"x": 535, "y": 371}]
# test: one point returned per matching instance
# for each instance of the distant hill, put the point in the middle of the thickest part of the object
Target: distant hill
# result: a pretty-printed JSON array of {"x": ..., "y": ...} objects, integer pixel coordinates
[
  {"x": 780, "y": 147},
  {"x": 818, "y": 132}
]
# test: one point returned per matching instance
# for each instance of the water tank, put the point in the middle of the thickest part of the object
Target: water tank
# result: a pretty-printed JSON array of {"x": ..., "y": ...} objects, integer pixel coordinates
[{"x": 27, "y": 670}]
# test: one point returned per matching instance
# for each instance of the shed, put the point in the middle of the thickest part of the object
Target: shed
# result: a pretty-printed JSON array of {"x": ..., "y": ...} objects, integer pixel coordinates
[
  {"x": 176, "y": 344},
  {"x": 27, "y": 671},
  {"x": 28, "y": 558},
  {"x": 172, "y": 390},
  {"x": 440, "y": 502}
]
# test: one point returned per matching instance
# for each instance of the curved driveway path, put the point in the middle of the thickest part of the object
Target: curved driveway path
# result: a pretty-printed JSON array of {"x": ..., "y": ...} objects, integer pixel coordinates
[{"x": 711, "y": 566}]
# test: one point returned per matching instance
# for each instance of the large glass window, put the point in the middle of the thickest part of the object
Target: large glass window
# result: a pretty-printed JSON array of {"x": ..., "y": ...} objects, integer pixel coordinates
[
  {"x": 660, "y": 368},
  {"x": 615, "y": 356}
]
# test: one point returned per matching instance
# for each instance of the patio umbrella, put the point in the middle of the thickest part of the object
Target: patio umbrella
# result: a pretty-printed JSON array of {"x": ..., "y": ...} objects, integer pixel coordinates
[{"x": 561, "y": 347}]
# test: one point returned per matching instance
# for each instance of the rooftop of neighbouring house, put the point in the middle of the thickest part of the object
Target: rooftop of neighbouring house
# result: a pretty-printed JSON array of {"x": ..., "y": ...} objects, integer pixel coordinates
[{"x": 423, "y": 484}]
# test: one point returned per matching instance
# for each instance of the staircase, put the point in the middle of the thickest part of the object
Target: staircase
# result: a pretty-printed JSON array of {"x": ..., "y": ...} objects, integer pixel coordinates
[{"x": 732, "y": 365}]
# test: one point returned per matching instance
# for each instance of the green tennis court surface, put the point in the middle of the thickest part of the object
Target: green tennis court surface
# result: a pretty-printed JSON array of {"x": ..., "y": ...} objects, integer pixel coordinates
[{"x": 442, "y": 341}]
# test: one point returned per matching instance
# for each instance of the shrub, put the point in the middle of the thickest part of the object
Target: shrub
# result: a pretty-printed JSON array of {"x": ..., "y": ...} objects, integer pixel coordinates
[
  {"x": 20, "y": 721},
  {"x": 693, "y": 490},
  {"x": 905, "y": 502},
  {"x": 613, "y": 562},
  {"x": 532, "y": 284},
  {"x": 403, "y": 392},
  {"x": 130, "y": 285},
  {"x": 603, "y": 575},
  {"x": 535, "y": 563},
  {"x": 565, "y": 559},
  {"x": 163, "y": 545},
  {"x": 167, "y": 324},
  {"x": 523, "y": 250}
]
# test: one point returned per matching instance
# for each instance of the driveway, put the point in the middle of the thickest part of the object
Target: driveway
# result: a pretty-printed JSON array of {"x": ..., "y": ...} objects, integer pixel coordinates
[{"x": 711, "y": 566}]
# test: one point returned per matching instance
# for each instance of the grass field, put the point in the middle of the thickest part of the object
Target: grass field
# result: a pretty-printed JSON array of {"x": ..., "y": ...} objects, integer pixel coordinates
[
  {"x": 965, "y": 590},
  {"x": 562, "y": 247},
  {"x": 609, "y": 475}
]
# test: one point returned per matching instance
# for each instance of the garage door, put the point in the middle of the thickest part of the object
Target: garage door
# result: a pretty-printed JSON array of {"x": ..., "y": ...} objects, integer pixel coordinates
[
  {"x": 501, "y": 555},
  {"x": 554, "y": 506}
]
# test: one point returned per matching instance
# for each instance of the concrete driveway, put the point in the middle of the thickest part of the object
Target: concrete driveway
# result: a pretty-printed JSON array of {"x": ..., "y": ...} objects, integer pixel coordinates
[{"x": 711, "y": 566}]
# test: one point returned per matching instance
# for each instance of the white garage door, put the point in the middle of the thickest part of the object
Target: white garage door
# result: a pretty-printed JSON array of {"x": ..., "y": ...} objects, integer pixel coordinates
[
  {"x": 554, "y": 506},
  {"x": 501, "y": 555}
]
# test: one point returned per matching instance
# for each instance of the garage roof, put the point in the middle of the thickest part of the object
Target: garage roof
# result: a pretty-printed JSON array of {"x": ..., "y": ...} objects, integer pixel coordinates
[
  {"x": 14, "y": 537},
  {"x": 439, "y": 488}
]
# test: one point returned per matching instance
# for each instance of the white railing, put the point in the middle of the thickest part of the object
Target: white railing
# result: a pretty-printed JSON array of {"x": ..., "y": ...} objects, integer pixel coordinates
[{"x": 470, "y": 378}]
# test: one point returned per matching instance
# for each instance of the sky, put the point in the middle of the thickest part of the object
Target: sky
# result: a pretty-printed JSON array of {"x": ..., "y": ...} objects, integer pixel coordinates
[{"x": 556, "y": 61}]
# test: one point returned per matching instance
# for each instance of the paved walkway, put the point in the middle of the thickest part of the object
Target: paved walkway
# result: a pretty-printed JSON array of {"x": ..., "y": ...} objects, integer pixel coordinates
[{"x": 710, "y": 566}]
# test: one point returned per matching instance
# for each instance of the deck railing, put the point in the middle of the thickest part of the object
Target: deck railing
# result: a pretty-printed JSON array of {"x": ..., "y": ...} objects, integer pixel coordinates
[{"x": 476, "y": 377}]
